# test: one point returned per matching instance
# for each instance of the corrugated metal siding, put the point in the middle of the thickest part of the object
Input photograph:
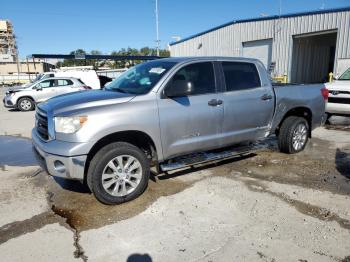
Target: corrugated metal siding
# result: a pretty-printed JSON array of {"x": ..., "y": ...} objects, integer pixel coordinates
[{"x": 227, "y": 41}]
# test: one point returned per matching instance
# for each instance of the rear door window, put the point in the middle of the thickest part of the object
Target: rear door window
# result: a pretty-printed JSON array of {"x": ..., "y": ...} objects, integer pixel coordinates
[{"x": 240, "y": 76}]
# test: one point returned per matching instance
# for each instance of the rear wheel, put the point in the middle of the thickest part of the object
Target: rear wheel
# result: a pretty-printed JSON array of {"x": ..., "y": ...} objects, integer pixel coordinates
[
  {"x": 118, "y": 173},
  {"x": 25, "y": 104},
  {"x": 293, "y": 135}
]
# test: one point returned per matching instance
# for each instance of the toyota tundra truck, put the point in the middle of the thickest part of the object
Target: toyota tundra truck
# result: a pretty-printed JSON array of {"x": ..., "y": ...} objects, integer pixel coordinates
[{"x": 169, "y": 114}]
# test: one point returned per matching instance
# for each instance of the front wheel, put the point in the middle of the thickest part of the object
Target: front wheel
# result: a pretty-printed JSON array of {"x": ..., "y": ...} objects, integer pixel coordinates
[
  {"x": 25, "y": 104},
  {"x": 118, "y": 173},
  {"x": 293, "y": 135}
]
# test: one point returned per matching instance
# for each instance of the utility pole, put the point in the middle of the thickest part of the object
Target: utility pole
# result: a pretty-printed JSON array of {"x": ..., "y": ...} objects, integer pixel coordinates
[{"x": 157, "y": 28}]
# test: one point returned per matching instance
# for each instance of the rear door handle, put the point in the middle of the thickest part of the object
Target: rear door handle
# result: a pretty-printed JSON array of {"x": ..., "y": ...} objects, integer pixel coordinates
[
  {"x": 214, "y": 102},
  {"x": 266, "y": 97}
]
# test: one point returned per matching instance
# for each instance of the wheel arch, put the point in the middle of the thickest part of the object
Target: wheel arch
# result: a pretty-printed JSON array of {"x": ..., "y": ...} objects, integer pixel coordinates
[
  {"x": 25, "y": 96},
  {"x": 137, "y": 138},
  {"x": 304, "y": 112}
]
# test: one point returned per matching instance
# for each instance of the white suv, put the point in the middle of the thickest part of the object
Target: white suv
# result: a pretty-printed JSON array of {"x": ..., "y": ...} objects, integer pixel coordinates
[
  {"x": 339, "y": 95},
  {"x": 24, "y": 98}
]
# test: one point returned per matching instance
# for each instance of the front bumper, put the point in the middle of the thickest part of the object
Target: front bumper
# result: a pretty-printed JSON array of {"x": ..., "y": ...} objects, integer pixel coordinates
[
  {"x": 8, "y": 102},
  {"x": 69, "y": 167},
  {"x": 337, "y": 108}
]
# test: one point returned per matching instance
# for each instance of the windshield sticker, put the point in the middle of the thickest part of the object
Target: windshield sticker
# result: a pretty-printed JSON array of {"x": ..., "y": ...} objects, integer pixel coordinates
[{"x": 157, "y": 70}]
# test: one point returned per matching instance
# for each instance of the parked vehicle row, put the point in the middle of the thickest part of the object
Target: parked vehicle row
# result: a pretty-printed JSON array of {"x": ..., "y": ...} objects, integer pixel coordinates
[
  {"x": 89, "y": 77},
  {"x": 26, "y": 97},
  {"x": 170, "y": 113}
]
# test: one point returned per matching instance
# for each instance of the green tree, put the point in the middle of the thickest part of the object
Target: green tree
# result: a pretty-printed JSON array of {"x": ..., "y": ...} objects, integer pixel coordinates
[{"x": 144, "y": 51}]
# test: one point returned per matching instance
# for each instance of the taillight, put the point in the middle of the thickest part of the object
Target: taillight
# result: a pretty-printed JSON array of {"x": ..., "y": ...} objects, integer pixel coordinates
[
  {"x": 87, "y": 87},
  {"x": 325, "y": 93}
]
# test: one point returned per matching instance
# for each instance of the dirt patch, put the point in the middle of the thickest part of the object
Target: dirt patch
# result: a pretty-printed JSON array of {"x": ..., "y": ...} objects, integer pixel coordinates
[
  {"x": 73, "y": 201},
  {"x": 318, "y": 167},
  {"x": 304, "y": 208}
]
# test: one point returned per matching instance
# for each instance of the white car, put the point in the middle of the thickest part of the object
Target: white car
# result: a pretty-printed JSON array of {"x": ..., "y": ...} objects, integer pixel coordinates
[
  {"x": 339, "y": 95},
  {"x": 89, "y": 77},
  {"x": 24, "y": 98}
]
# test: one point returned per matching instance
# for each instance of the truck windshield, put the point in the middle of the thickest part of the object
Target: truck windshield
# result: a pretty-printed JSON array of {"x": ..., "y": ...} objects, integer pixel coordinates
[
  {"x": 345, "y": 75},
  {"x": 140, "y": 79}
]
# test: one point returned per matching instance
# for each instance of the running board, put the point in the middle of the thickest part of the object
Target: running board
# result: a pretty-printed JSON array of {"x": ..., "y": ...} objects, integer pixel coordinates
[{"x": 199, "y": 158}]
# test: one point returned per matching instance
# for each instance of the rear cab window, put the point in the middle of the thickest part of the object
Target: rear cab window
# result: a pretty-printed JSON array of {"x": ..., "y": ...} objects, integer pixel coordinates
[{"x": 240, "y": 76}]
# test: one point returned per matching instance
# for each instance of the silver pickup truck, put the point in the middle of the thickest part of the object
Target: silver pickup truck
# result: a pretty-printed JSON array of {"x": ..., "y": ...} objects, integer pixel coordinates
[{"x": 170, "y": 113}]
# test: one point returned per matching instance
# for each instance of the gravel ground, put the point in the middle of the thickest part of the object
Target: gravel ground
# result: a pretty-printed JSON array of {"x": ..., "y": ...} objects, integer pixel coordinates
[{"x": 265, "y": 206}]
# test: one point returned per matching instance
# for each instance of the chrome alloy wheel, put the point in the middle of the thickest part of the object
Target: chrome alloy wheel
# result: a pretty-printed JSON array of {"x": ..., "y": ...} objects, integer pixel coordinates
[
  {"x": 25, "y": 104},
  {"x": 299, "y": 136},
  {"x": 121, "y": 175}
]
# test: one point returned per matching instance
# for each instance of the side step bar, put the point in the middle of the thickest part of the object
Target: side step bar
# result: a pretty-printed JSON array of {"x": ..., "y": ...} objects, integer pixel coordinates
[{"x": 199, "y": 158}]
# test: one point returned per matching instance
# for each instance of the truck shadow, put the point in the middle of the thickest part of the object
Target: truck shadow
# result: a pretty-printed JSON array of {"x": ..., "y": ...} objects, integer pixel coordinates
[
  {"x": 139, "y": 258},
  {"x": 342, "y": 162},
  {"x": 72, "y": 185}
]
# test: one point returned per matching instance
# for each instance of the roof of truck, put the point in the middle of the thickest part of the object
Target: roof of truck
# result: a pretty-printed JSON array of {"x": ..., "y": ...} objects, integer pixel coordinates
[{"x": 199, "y": 58}]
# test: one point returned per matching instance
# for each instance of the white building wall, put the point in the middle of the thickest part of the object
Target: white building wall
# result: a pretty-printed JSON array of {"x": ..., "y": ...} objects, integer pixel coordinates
[{"x": 227, "y": 41}]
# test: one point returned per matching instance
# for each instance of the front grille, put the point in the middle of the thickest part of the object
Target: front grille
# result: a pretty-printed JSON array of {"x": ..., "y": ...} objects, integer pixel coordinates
[
  {"x": 41, "y": 124},
  {"x": 339, "y": 100},
  {"x": 337, "y": 92}
]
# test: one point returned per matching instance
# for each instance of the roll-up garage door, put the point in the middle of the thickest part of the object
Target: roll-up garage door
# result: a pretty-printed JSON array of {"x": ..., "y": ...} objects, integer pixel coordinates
[{"x": 260, "y": 49}]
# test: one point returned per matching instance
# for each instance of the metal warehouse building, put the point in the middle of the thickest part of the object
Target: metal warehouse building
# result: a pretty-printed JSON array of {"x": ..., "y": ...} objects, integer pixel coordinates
[{"x": 304, "y": 46}]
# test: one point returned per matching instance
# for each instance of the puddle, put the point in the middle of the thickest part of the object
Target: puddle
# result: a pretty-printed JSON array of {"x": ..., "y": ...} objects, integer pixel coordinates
[{"x": 16, "y": 151}]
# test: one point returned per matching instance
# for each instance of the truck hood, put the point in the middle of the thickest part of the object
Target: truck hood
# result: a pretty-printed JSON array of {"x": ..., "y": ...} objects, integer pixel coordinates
[{"x": 83, "y": 100}]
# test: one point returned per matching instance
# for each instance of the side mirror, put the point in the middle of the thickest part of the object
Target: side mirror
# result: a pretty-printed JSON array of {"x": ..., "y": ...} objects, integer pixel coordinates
[
  {"x": 179, "y": 88},
  {"x": 38, "y": 88}
]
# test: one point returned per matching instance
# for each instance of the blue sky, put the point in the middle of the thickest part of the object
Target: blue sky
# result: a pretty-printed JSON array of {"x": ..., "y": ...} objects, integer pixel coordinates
[{"x": 64, "y": 25}]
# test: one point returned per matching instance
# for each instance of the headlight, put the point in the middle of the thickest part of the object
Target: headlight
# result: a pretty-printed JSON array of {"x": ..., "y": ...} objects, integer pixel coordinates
[{"x": 69, "y": 125}]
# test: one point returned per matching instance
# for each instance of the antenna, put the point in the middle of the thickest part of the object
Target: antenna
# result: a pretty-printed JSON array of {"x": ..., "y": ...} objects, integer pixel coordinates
[
  {"x": 157, "y": 28},
  {"x": 280, "y": 11}
]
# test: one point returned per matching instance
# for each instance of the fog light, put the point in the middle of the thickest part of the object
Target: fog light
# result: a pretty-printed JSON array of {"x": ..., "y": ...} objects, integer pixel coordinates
[{"x": 59, "y": 166}]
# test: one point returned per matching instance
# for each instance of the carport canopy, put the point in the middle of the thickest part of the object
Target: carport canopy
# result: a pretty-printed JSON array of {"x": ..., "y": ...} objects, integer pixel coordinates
[{"x": 87, "y": 57}]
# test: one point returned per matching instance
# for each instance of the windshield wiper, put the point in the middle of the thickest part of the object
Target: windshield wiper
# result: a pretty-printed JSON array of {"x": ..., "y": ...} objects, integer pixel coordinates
[{"x": 117, "y": 90}]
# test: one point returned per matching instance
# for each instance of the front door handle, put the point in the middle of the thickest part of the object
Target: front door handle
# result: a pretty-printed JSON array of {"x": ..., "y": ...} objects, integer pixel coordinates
[
  {"x": 266, "y": 97},
  {"x": 215, "y": 102}
]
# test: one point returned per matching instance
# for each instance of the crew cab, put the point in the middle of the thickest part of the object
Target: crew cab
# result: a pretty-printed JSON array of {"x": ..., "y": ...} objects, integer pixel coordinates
[
  {"x": 339, "y": 95},
  {"x": 170, "y": 113},
  {"x": 26, "y": 97}
]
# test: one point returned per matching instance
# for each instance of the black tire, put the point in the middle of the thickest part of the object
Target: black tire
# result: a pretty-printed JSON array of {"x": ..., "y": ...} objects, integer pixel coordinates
[
  {"x": 100, "y": 161},
  {"x": 328, "y": 116},
  {"x": 288, "y": 130},
  {"x": 25, "y": 104}
]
